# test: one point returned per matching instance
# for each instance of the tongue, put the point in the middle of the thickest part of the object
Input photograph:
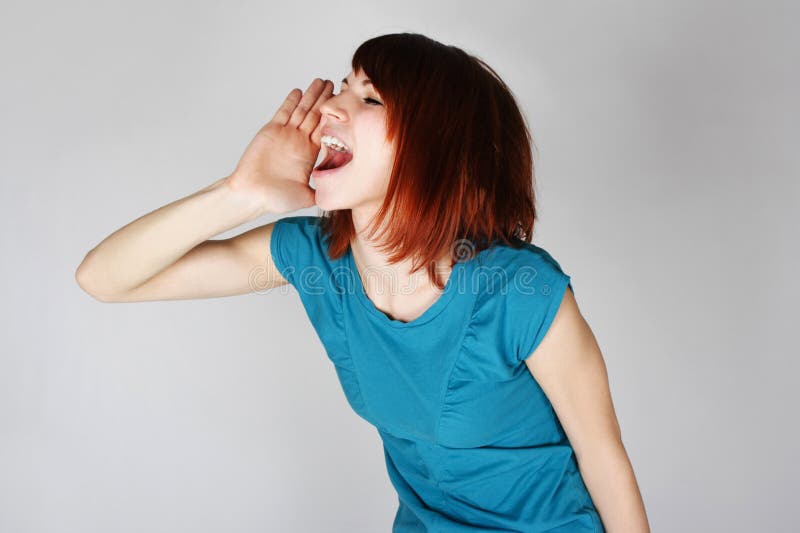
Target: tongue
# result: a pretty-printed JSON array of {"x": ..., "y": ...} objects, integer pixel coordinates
[{"x": 335, "y": 159}]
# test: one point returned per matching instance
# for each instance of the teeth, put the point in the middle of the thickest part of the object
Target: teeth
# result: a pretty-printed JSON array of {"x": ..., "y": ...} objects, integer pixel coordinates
[{"x": 335, "y": 143}]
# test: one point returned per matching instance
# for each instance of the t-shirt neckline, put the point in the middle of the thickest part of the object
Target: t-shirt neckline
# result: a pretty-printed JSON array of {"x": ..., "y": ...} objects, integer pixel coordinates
[{"x": 458, "y": 272}]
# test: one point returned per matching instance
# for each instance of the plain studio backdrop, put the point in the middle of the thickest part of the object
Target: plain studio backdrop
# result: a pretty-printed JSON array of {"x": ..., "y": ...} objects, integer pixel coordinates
[{"x": 667, "y": 172}]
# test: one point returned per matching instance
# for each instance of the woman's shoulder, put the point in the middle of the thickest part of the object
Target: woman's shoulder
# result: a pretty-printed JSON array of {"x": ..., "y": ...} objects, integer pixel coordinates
[
  {"x": 305, "y": 222},
  {"x": 300, "y": 227},
  {"x": 520, "y": 259},
  {"x": 299, "y": 244},
  {"x": 519, "y": 290}
]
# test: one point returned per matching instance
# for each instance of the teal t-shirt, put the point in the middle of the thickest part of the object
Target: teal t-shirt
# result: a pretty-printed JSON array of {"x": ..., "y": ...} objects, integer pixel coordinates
[{"x": 470, "y": 440}]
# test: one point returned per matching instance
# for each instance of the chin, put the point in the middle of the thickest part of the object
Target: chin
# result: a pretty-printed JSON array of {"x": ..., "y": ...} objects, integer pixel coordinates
[
  {"x": 336, "y": 200},
  {"x": 328, "y": 201}
]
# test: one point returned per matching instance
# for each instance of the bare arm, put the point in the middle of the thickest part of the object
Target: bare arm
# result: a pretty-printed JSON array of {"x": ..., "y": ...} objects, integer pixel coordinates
[
  {"x": 165, "y": 254},
  {"x": 569, "y": 367},
  {"x": 168, "y": 253}
]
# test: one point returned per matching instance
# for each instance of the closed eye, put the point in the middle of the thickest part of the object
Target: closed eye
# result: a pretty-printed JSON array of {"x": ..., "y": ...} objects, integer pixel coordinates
[{"x": 370, "y": 101}]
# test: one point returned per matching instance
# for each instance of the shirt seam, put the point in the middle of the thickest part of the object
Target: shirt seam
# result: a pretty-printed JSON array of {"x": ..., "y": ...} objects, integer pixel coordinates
[
  {"x": 457, "y": 358},
  {"x": 275, "y": 250},
  {"x": 356, "y": 373},
  {"x": 558, "y": 287}
]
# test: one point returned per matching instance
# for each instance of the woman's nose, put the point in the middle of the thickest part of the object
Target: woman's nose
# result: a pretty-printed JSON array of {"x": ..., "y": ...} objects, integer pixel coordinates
[{"x": 332, "y": 108}]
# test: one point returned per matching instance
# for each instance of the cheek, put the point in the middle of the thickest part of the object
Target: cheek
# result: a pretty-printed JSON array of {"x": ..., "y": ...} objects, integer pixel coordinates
[
  {"x": 373, "y": 128},
  {"x": 373, "y": 176},
  {"x": 377, "y": 152}
]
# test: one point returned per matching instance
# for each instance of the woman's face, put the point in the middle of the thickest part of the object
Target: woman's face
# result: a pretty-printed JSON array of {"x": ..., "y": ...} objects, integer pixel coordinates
[{"x": 357, "y": 116}]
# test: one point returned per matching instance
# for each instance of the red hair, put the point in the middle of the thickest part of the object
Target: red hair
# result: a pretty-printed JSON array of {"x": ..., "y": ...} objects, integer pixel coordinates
[{"x": 463, "y": 172}]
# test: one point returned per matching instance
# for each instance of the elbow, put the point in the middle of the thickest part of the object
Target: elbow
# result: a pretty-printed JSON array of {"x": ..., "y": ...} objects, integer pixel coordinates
[{"x": 87, "y": 281}]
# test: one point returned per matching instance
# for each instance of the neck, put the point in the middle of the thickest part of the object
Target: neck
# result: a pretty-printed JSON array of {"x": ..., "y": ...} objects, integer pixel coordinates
[{"x": 374, "y": 264}]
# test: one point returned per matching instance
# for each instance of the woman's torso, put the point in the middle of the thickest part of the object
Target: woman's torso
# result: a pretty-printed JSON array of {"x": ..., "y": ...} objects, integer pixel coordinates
[{"x": 470, "y": 439}]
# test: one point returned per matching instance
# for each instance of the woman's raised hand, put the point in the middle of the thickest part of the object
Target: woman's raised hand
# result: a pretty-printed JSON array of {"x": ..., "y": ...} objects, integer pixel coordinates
[{"x": 277, "y": 164}]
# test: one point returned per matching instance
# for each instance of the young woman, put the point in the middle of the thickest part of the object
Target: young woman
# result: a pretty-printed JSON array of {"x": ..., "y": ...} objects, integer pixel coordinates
[{"x": 467, "y": 352}]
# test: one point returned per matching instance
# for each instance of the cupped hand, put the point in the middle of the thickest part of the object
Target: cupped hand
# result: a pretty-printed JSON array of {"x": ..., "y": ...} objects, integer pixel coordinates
[{"x": 276, "y": 166}]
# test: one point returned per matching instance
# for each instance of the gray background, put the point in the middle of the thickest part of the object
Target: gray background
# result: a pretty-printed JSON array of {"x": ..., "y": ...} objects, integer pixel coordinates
[{"x": 666, "y": 141}]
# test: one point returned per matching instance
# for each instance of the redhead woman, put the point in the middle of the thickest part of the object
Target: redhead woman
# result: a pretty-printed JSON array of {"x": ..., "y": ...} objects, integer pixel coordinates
[{"x": 451, "y": 333}]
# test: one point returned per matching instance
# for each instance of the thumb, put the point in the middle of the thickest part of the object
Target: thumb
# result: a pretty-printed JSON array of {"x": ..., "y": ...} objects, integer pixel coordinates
[{"x": 316, "y": 135}]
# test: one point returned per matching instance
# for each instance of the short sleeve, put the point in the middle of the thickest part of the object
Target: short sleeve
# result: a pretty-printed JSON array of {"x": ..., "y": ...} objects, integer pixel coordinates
[
  {"x": 538, "y": 288},
  {"x": 294, "y": 243},
  {"x": 299, "y": 251}
]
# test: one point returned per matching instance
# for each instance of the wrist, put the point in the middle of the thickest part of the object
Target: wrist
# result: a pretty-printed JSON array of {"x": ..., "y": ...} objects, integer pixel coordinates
[{"x": 242, "y": 195}]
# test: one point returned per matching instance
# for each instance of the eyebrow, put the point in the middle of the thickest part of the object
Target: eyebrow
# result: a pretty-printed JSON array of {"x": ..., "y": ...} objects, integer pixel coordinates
[{"x": 364, "y": 82}]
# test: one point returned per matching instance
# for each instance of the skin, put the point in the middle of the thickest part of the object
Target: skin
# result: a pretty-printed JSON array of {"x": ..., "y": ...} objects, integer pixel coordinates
[
  {"x": 169, "y": 254},
  {"x": 357, "y": 115},
  {"x": 569, "y": 367},
  {"x": 567, "y": 364}
]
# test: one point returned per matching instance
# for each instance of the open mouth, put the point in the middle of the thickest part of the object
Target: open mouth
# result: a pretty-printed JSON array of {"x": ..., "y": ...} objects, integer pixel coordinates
[{"x": 333, "y": 159}]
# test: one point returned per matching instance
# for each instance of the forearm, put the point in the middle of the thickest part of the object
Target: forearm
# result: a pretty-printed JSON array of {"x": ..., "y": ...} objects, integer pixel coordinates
[
  {"x": 609, "y": 477},
  {"x": 139, "y": 250}
]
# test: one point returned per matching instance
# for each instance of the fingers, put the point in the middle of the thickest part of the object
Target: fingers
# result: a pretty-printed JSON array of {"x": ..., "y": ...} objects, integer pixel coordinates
[
  {"x": 311, "y": 123},
  {"x": 306, "y": 105},
  {"x": 316, "y": 135},
  {"x": 287, "y": 107}
]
